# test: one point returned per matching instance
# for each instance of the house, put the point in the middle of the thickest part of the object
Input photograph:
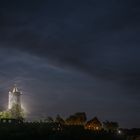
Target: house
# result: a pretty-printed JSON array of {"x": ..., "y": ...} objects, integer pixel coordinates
[{"x": 94, "y": 124}]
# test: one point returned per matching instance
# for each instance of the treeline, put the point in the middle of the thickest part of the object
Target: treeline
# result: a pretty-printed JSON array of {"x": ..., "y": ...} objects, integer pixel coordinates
[{"x": 75, "y": 127}]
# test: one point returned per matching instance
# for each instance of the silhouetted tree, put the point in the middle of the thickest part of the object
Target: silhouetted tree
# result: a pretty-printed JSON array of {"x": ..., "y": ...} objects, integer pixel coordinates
[
  {"x": 59, "y": 119},
  {"x": 49, "y": 120},
  {"x": 16, "y": 112},
  {"x": 77, "y": 119},
  {"x": 110, "y": 126}
]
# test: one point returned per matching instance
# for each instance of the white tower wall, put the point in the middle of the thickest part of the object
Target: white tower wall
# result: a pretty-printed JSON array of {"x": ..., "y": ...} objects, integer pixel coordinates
[{"x": 14, "y": 98}]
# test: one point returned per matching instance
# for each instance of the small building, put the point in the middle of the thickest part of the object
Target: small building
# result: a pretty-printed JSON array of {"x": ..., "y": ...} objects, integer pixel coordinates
[{"x": 94, "y": 124}]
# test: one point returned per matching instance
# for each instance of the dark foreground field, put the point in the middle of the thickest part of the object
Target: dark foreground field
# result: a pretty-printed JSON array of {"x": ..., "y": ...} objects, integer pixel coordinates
[{"x": 52, "y": 132}]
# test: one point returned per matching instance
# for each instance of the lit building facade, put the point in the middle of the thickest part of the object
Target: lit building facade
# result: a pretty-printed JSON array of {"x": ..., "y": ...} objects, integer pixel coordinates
[
  {"x": 14, "y": 98},
  {"x": 14, "y": 106},
  {"x": 14, "y": 111},
  {"x": 94, "y": 124}
]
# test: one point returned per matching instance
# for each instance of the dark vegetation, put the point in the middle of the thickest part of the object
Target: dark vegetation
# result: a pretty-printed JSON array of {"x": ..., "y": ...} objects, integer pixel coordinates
[
  {"x": 75, "y": 127},
  {"x": 52, "y": 131}
]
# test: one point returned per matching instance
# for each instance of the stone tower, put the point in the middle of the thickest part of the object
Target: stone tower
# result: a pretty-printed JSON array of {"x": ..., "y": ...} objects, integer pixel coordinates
[
  {"x": 14, "y": 105},
  {"x": 14, "y": 98}
]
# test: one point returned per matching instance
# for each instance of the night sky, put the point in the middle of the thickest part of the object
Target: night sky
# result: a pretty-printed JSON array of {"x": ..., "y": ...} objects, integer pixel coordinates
[{"x": 72, "y": 56}]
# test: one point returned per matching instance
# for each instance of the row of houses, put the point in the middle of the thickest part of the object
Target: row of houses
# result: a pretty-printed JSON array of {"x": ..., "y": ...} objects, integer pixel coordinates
[
  {"x": 93, "y": 124},
  {"x": 78, "y": 119}
]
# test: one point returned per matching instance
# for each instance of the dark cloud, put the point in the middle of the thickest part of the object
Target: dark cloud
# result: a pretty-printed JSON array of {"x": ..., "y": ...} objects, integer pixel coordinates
[{"x": 100, "y": 38}]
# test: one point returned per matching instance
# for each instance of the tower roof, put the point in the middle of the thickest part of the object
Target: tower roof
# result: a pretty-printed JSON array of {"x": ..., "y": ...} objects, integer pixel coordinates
[{"x": 15, "y": 89}]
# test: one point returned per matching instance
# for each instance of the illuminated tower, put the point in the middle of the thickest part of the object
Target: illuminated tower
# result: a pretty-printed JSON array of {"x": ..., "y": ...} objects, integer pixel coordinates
[
  {"x": 14, "y": 98},
  {"x": 14, "y": 105}
]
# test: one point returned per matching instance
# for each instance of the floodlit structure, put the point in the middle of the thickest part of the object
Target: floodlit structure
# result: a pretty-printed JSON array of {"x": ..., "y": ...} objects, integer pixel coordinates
[
  {"x": 14, "y": 98},
  {"x": 15, "y": 110},
  {"x": 14, "y": 106}
]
